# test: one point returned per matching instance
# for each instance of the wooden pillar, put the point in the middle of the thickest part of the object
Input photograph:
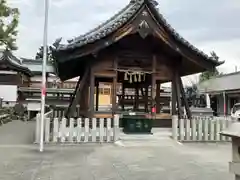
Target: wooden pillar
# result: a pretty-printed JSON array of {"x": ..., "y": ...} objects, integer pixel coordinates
[
  {"x": 146, "y": 97},
  {"x": 136, "y": 103},
  {"x": 158, "y": 97},
  {"x": 77, "y": 94},
  {"x": 173, "y": 98},
  {"x": 224, "y": 103},
  {"x": 84, "y": 100},
  {"x": 137, "y": 97},
  {"x": 188, "y": 112},
  {"x": 178, "y": 93},
  {"x": 114, "y": 88},
  {"x": 92, "y": 91},
  {"x": 153, "y": 89},
  {"x": 123, "y": 96},
  {"x": 97, "y": 96}
]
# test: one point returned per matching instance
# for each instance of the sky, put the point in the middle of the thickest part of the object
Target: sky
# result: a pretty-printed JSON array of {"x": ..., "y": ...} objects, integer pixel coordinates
[{"x": 210, "y": 25}]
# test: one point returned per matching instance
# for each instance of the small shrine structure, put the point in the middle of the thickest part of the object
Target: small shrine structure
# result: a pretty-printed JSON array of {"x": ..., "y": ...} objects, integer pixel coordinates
[{"x": 135, "y": 49}]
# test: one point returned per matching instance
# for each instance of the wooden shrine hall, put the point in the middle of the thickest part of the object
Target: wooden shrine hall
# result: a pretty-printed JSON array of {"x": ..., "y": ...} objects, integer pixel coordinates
[{"x": 135, "y": 49}]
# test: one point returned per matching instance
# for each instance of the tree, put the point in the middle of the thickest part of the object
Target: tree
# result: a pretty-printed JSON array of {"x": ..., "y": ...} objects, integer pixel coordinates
[
  {"x": 39, "y": 54},
  {"x": 209, "y": 74},
  {"x": 8, "y": 26}
]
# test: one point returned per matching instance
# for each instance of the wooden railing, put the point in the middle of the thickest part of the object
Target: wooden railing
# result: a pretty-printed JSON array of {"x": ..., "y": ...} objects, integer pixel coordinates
[{"x": 202, "y": 129}]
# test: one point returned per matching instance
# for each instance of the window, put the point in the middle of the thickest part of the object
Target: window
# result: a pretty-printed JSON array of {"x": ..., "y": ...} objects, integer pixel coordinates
[
  {"x": 106, "y": 91},
  {"x": 100, "y": 90}
]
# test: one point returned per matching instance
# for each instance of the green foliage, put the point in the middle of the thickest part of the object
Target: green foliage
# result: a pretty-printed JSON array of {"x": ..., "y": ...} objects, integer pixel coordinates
[
  {"x": 39, "y": 54},
  {"x": 209, "y": 74},
  {"x": 8, "y": 26}
]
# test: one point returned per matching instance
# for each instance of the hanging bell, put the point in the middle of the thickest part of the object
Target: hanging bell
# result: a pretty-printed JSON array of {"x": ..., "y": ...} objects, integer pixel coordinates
[
  {"x": 139, "y": 77},
  {"x": 144, "y": 77},
  {"x": 126, "y": 76},
  {"x": 130, "y": 77},
  {"x": 135, "y": 77}
]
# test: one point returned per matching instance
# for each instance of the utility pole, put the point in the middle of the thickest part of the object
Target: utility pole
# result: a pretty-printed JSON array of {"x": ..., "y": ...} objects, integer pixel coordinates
[{"x": 44, "y": 63}]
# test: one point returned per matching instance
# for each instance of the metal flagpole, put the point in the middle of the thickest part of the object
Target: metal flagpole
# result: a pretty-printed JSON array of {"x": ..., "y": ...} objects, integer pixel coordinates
[{"x": 43, "y": 90}]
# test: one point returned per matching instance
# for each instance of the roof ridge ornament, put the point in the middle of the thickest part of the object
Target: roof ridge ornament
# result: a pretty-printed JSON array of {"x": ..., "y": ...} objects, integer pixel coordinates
[
  {"x": 136, "y": 1},
  {"x": 154, "y": 3}
]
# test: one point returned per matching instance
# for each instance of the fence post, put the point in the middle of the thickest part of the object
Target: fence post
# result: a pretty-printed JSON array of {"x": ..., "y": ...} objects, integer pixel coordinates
[
  {"x": 37, "y": 137},
  {"x": 206, "y": 129},
  {"x": 200, "y": 128},
  {"x": 101, "y": 130},
  {"x": 181, "y": 129},
  {"x": 108, "y": 130},
  {"x": 116, "y": 127},
  {"x": 47, "y": 130},
  {"x": 55, "y": 129},
  {"x": 63, "y": 129},
  {"x": 187, "y": 130},
  {"x": 217, "y": 129},
  {"x": 94, "y": 129},
  {"x": 86, "y": 129},
  {"x": 175, "y": 127},
  {"x": 193, "y": 129}
]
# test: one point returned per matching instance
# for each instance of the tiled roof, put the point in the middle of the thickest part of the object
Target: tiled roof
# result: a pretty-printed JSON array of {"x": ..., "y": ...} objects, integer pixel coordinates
[
  {"x": 120, "y": 19},
  {"x": 227, "y": 82},
  {"x": 35, "y": 65},
  {"x": 107, "y": 27},
  {"x": 14, "y": 62}
]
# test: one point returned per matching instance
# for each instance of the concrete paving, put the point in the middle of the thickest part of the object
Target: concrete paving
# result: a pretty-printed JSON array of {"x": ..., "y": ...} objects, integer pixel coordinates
[
  {"x": 17, "y": 132},
  {"x": 134, "y": 157}
]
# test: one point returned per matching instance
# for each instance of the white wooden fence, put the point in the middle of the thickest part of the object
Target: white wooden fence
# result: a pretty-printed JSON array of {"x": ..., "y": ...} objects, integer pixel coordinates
[
  {"x": 62, "y": 130},
  {"x": 38, "y": 124},
  {"x": 204, "y": 129}
]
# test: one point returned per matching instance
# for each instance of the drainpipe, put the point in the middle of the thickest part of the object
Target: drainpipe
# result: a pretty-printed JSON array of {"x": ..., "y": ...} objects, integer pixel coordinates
[{"x": 224, "y": 103}]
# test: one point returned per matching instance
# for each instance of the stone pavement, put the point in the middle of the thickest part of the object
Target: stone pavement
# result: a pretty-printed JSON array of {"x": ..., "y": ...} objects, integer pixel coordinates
[{"x": 136, "y": 157}]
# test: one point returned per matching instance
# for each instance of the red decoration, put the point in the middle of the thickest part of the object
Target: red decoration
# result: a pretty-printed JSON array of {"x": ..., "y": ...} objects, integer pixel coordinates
[
  {"x": 154, "y": 110},
  {"x": 44, "y": 91}
]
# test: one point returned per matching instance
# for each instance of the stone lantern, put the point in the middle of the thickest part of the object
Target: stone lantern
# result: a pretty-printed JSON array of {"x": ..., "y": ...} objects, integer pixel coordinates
[{"x": 234, "y": 132}]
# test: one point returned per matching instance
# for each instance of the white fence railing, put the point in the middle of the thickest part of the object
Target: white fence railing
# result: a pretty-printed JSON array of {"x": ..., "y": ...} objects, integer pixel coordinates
[
  {"x": 205, "y": 129},
  {"x": 62, "y": 130},
  {"x": 38, "y": 124}
]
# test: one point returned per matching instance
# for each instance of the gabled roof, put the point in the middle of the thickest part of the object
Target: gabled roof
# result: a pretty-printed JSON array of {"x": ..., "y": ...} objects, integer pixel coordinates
[
  {"x": 119, "y": 20},
  {"x": 35, "y": 65},
  {"x": 226, "y": 82},
  {"x": 13, "y": 63}
]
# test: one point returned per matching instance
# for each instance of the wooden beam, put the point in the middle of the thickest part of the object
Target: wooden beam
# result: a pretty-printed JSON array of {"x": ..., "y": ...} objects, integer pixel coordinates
[
  {"x": 92, "y": 89},
  {"x": 78, "y": 91},
  {"x": 189, "y": 114}
]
